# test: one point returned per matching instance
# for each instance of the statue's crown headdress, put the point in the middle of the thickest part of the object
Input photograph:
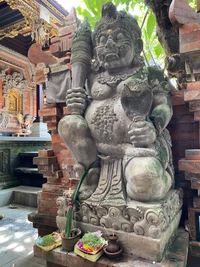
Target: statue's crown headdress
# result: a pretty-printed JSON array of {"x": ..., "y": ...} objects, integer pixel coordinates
[{"x": 112, "y": 19}]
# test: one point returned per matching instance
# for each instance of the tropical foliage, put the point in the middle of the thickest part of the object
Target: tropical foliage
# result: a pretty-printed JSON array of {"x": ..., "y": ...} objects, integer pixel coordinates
[{"x": 153, "y": 51}]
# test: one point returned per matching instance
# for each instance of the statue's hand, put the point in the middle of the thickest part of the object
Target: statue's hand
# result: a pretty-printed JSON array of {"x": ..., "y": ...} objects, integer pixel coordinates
[
  {"x": 76, "y": 100},
  {"x": 142, "y": 133}
]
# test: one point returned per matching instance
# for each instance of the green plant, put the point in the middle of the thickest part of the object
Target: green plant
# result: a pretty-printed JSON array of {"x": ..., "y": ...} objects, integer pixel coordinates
[
  {"x": 47, "y": 240},
  {"x": 92, "y": 240},
  {"x": 71, "y": 202}
]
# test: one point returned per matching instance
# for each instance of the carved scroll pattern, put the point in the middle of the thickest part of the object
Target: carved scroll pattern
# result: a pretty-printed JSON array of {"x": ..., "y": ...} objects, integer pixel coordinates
[
  {"x": 14, "y": 80},
  {"x": 151, "y": 221}
]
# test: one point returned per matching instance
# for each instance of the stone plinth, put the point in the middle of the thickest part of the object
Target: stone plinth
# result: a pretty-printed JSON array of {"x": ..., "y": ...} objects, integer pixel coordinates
[
  {"x": 176, "y": 256},
  {"x": 144, "y": 229}
]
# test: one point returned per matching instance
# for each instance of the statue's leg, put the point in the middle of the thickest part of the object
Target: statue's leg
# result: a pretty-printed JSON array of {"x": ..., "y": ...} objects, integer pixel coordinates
[
  {"x": 146, "y": 179},
  {"x": 74, "y": 130}
]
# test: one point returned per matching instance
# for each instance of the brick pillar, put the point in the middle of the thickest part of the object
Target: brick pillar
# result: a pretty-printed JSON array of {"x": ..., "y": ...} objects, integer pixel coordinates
[
  {"x": 190, "y": 163},
  {"x": 185, "y": 135},
  {"x": 54, "y": 165}
]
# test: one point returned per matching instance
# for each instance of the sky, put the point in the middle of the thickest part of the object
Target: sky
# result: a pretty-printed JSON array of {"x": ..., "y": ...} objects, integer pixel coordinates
[{"x": 67, "y": 4}]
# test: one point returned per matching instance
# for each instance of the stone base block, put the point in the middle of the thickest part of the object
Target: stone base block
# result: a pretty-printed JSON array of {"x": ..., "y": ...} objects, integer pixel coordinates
[
  {"x": 139, "y": 245},
  {"x": 175, "y": 256},
  {"x": 144, "y": 229}
]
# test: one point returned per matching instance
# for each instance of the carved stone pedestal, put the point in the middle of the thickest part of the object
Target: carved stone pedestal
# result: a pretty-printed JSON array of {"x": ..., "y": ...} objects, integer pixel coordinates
[{"x": 144, "y": 229}]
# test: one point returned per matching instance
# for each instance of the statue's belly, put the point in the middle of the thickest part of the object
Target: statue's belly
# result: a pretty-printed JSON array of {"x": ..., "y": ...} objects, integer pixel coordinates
[{"x": 107, "y": 121}]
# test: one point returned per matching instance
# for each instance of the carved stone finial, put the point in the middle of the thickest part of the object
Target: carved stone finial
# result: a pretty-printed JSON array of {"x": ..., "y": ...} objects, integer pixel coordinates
[
  {"x": 81, "y": 44},
  {"x": 109, "y": 12}
]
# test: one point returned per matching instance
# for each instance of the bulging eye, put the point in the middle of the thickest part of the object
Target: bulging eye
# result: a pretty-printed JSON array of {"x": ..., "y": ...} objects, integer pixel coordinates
[
  {"x": 120, "y": 36},
  {"x": 102, "y": 40}
]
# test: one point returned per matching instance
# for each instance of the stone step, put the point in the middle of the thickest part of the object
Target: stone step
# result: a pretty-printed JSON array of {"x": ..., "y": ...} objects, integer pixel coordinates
[
  {"x": 26, "y": 195},
  {"x": 22, "y": 195},
  {"x": 26, "y": 170},
  {"x": 6, "y": 197}
]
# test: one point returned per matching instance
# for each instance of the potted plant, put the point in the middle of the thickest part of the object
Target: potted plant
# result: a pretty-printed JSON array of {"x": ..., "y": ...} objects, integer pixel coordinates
[{"x": 71, "y": 235}]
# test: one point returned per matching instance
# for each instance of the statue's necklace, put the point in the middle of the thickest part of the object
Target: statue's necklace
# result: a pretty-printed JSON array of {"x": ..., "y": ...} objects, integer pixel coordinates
[{"x": 109, "y": 79}]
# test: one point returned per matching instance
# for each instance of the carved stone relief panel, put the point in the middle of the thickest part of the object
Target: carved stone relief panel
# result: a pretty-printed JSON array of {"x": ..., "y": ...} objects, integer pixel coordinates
[
  {"x": 14, "y": 80},
  {"x": 4, "y": 120},
  {"x": 14, "y": 90}
]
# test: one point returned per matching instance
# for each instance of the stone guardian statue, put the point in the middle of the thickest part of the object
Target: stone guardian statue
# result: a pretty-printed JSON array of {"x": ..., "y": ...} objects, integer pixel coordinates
[{"x": 119, "y": 112}]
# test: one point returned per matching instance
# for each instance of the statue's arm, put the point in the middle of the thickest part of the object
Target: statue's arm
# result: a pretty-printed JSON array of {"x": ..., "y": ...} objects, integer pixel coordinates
[
  {"x": 162, "y": 111},
  {"x": 161, "y": 107}
]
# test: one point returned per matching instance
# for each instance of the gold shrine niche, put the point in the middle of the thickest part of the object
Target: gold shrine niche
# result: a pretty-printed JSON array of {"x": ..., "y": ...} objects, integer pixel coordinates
[{"x": 14, "y": 101}]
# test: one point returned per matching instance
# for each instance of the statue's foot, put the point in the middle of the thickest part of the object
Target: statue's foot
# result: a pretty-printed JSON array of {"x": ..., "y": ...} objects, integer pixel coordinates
[
  {"x": 90, "y": 182},
  {"x": 86, "y": 193}
]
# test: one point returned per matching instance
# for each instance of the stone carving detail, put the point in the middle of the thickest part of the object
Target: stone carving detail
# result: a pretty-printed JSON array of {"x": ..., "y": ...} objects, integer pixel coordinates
[
  {"x": 30, "y": 11},
  {"x": 4, "y": 120},
  {"x": 61, "y": 205},
  {"x": 14, "y": 80},
  {"x": 142, "y": 219},
  {"x": 119, "y": 111},
  {"x": 103, "y": 120},
  {"x": 121, "y": 116},
  {"x": 40, "y": 33}
]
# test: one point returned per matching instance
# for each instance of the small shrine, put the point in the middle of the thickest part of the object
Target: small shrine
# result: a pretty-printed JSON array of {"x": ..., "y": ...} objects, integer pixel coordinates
[{"x": 20, "y": 95}]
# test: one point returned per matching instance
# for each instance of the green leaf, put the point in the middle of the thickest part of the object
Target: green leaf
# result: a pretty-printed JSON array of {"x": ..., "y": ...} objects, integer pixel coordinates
[
  {"x": 151, "y": 23},
  {"x": 158, "y": 50},
  {"x": 90, "y": 6},
  {"x": 193, "y": 4},
  {"x": 83, "y": 12},
  {"x": 68, "y": 226}
]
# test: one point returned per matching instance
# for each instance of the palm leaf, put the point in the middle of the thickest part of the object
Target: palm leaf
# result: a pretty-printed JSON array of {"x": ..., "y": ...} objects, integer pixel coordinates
[
  {"x": 68, "y": 226},
  {"x": 76, "y": 191}
]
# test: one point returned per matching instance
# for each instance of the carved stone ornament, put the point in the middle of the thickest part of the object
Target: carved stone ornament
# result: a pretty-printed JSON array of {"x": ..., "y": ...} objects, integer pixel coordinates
[
  {"x": 143, "y": 219},
  {"x": 4, "y": 120},
  {"x": 14, "y": 80},
  {"x": 118, "y": 116},
  {"x": 121, "y": 116},
  {"x": 31, "y": 13}
]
